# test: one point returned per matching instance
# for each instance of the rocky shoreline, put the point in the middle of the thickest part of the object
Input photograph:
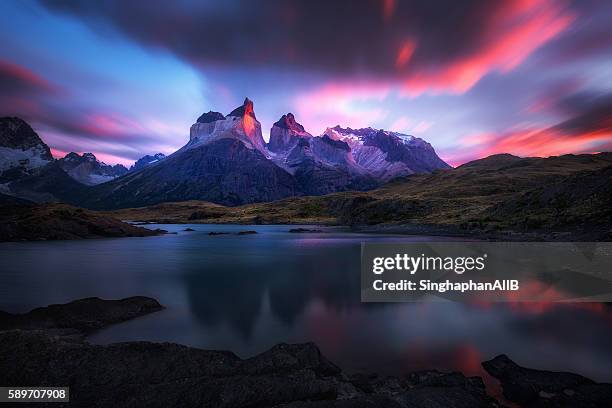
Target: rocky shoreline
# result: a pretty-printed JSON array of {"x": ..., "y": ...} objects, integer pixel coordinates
[{"x": 48, "y": 346}]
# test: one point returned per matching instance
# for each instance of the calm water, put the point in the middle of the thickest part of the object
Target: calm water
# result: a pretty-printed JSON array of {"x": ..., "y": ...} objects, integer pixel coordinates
[{"x": 247, "y": 293}]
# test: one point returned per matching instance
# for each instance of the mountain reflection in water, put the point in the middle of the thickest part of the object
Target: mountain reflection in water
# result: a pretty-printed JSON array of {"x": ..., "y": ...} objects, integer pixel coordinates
[{"x": 246, "y": 293}]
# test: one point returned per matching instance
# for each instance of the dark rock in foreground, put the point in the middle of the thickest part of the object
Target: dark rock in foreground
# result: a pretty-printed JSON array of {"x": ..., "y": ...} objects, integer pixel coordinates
[
  {"x": 303, "y": 230},
  {"x": 46, "y": 347},
  {"x": 537, "y": 388},
  {"x": 83, "y": 315},
  {"x": 40, "y": 348},
  {"x": 248, "y": 232}
]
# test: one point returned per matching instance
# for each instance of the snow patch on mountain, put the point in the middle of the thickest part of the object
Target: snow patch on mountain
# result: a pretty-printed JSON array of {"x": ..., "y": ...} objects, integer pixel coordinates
[{"x": 28, "y": 159}]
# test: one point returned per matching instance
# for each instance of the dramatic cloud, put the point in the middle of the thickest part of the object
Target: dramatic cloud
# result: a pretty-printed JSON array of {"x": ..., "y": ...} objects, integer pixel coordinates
[
  {"x": 437, "y": 45},
  {"x": 588, "y": 130},
  {"x": 21, "y": 89},
  {"x": 473, "y": 77},
  {"x": 26, "y": 94},
  {"x": 590, "y": 115}
]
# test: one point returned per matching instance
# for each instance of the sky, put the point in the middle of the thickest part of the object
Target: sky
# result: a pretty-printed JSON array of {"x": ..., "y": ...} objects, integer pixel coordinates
[{"x": 123, "y": 79}]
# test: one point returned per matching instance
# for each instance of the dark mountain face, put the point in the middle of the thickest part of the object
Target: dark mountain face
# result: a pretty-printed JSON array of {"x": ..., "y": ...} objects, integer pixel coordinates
[
  {"x": 210, "y": 117},
  {"x": 88, "y": 170},
  {"x": 147, "y": 160},
  {"x": 224, "y": 171},
  {"x": 21, "y": 150},
  {"x": 49, "y": 183},
  {"x": 17, "y": 134},
  {"x": 321, "y": 166}
]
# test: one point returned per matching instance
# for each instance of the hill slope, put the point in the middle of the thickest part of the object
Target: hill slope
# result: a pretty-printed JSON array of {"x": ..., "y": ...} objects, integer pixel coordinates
[{"x": 498, "y": 193}]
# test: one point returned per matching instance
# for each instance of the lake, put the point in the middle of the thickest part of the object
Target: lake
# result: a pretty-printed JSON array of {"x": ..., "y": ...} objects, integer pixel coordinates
[{"x": 246, "y": 293}]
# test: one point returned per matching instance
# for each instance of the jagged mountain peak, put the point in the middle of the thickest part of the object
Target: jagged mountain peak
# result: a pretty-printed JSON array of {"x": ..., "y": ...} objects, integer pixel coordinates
[
  {"x": 285, "y": 134},
  {"x": 88, "y": 170},
  {"x": 147, "y": 160},
  {"x": 90, "y": 157},
  {"x": 245, "y": 109},
  {"x": 16, "y": 133},
  {"x": 210, "y": 116},
  {"x": 287, "y": 121},
  {"x": 227, "y": 161},
  {"x": 72, "y": 156},
  {"x": 21, "y": 149}
]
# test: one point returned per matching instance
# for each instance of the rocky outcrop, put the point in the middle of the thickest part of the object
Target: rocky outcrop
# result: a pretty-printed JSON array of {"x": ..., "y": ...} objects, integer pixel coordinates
[
  {"x": 83, "y": 315},
  {"x": 48, "y": 346},
  {"x": 40, "y": 347},
  {"x": 537, "y": 388},
  {"x": 21, "y": 149},
  {"x": 25, "y": 221},
  {"x": 88, "y": 170}
]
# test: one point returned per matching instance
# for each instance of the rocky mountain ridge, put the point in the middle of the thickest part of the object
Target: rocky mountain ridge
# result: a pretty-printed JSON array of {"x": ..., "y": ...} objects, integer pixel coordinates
[
  {"x": 88, "y": 170},
  {"x": 147, "y": 160},
  {"x": 227, "y": 161}
]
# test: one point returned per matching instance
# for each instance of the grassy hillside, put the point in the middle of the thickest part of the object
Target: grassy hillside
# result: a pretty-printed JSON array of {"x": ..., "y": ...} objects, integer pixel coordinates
[
  {"x": 498, "y": 193},
  {"x": 21, "y": 220}
]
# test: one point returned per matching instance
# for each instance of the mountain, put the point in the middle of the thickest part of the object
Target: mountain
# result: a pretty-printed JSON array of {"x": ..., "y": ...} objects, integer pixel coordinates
[
  {"x": 87, "y": 169},
  {"x": 27, "y": 169},
  {"x": 319, "y": 165},
  {"x": 388, "y": 154},
  {"x": 21, "y": 150},
  {"x": 241, "y": 124},
  {"x": 49, "y": 183},
  {"x": 347, "y": 159},
  {"x": 362, "y": 156},
  {"x": 225, "y": 161},
  {"x": 146, "y": 161},
  {"x": 285, "y": 134}
]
